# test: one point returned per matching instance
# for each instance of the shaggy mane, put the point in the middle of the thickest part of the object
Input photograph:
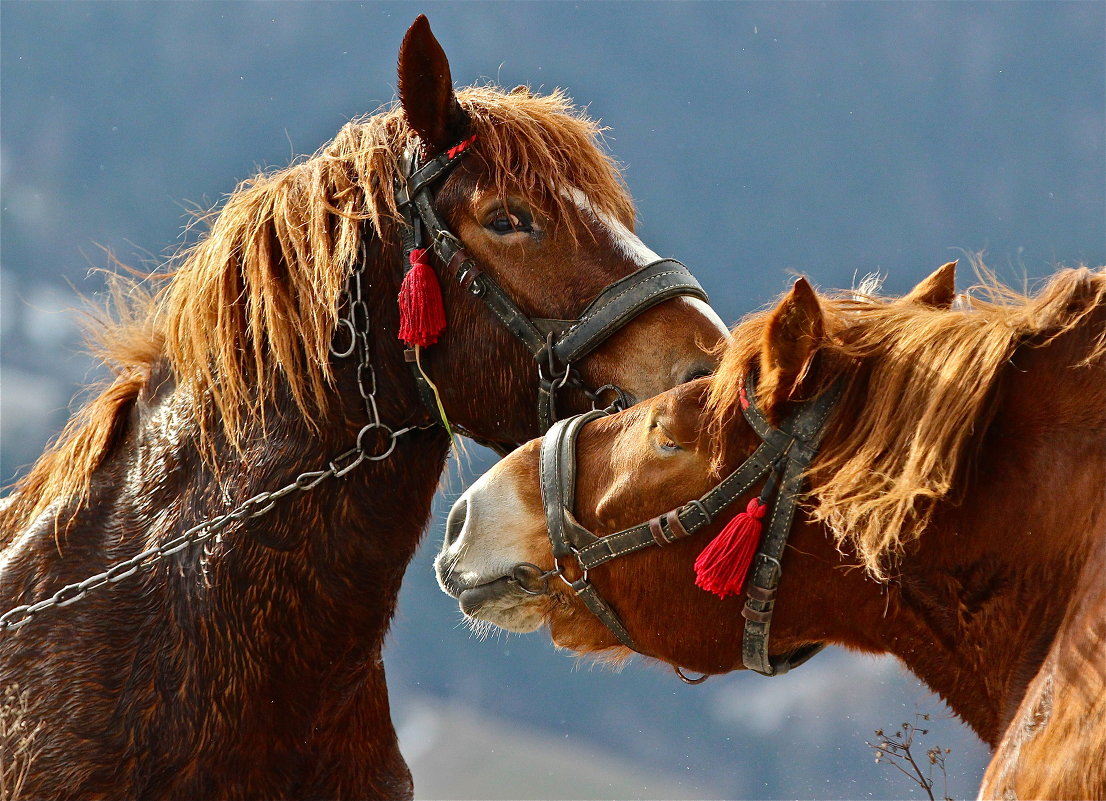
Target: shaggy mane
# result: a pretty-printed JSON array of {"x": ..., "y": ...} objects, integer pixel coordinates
[
  {"x": 904, "y": 424},
  {"x": 258, "y": 295}
]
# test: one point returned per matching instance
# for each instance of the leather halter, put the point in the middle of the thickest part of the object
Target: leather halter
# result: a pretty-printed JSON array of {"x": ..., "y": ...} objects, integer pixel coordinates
[
  {"x": 555, "y": 344},
  {"x": 783, "y": 456}
]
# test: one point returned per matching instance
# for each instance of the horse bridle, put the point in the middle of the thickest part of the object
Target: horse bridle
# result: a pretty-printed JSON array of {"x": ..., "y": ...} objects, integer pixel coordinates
[
  {"x": 783, "y": 456},
  {"x": 555, "y": 344}
]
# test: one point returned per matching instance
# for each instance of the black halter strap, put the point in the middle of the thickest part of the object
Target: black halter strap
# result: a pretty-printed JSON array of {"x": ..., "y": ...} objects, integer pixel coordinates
[
  {"x": 554, "y": 344},
  {"x": 566, "y": 535},
  {"x": 786, "y": 452}
]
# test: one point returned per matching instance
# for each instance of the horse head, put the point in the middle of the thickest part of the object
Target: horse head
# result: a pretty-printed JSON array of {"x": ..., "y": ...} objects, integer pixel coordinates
[
  {"x": 540, "y": 211},
  {"x": 913, "y": 433},
  {"x": 466, "y": 260},
  {"x": 637, "y": 466}
]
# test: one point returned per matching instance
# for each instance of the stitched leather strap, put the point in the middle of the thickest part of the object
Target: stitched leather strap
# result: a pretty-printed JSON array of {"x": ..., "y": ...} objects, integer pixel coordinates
[
  {"x": 585, "y": 590},
  {"x": 558, "y": 491},
  {"x": 803, "y": 432},
  {"x": 621, "y": 302},
  {"x": 691, "y": 516},
  {"x": 558, "y": 484}
]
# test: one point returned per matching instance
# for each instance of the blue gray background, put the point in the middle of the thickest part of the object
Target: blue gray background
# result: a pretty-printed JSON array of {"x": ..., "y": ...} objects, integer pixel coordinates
[{"x": 760, "y": 140}]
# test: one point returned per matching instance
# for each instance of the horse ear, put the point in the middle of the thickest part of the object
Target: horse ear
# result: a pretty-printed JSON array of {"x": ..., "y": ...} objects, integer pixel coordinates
[
  {"x": 791, "y": 338},
  {"x": 939, "y": 290},
  {"x": 426, "y": 90}
]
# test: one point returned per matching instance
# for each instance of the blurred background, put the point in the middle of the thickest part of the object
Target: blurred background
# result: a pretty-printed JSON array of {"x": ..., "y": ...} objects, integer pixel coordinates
[{"x": 760, "y": 140}]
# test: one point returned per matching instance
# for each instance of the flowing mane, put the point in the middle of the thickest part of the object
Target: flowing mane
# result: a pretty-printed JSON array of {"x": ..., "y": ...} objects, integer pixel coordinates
[
  {"x": 876, "y": 483},
  {"x": 258, "y": 295}
]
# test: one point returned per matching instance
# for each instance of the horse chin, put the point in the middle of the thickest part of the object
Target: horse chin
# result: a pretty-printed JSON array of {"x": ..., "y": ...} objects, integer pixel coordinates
[{"x": 503, "y": 604}]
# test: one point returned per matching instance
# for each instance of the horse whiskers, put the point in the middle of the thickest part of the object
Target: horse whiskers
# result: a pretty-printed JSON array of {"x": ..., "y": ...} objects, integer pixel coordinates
[{"x": 481, "y": 629}]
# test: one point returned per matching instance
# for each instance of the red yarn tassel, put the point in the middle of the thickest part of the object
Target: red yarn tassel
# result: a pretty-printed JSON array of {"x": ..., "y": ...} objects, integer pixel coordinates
[
  {"x": 421, "y": 312},
  {"x": 723, "y": 565}
]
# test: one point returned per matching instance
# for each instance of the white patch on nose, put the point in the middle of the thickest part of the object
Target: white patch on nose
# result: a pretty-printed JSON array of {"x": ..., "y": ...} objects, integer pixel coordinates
[
  {"x": 490, "y": 541},
  {"x": 485, "y": 540}
]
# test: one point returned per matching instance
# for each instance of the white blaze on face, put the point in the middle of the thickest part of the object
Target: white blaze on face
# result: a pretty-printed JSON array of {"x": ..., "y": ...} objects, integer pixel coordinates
[
  {"x": 707, "y": 311},
  {"x": 625, "y": 240}
]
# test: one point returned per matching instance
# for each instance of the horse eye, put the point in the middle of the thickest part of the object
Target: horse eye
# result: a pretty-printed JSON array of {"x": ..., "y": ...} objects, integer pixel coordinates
[
  {"x": 506, "y": 222},
  {"x": 664, "y": 441}
]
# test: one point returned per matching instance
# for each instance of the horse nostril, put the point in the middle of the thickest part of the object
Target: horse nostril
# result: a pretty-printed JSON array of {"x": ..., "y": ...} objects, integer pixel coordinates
[{"x": 455, "y": 523}]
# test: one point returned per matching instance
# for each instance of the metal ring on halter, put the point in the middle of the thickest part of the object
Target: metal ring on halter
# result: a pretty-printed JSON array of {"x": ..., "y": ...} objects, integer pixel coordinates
[
  {"x": 583, "y": 576},
  {"x": 391, "y": 442},
  {"x": 352, "y": 339},
  {"x": 686, "y": 680},
  {"x": 560, "y": 383},
  {"x": 619, "y": 404},
  {"x": 525, "y": 572}
]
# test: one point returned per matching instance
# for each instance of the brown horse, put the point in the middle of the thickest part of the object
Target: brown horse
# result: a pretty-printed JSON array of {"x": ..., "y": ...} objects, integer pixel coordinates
[
  {"x": 243, "y": 659},
  {"x": 955, "y": 514}
]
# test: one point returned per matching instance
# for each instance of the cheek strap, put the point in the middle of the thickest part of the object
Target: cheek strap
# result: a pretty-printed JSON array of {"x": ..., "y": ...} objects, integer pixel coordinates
[{"x": 566, "y": 535}]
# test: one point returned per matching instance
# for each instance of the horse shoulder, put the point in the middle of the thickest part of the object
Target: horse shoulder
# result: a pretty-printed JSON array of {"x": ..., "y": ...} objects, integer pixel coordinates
[{"x": 1056, "y": 745}]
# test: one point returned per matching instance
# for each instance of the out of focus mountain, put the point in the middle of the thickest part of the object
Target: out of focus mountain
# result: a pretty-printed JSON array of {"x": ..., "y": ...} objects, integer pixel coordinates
[{"x": 760, "y": 140}]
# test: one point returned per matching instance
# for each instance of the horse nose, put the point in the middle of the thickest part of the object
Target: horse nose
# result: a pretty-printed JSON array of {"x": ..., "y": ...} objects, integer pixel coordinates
[
  {"x": 446, "y": 560},
  {"x": 455, "y": 522}
]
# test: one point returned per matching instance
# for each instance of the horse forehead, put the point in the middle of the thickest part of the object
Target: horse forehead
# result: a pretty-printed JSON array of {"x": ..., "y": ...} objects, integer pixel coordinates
[{"x": 614, "y": 443}]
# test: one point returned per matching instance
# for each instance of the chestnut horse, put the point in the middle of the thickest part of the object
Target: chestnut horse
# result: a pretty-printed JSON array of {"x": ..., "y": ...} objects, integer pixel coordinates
[
  {"x": 954, "y": 516},
  {"x": 243, "y": 656}
]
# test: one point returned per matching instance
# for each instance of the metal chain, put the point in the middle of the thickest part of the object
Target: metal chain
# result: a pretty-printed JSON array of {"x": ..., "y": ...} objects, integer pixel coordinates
[
  {"x": 554, "y": 380},
  {"x": 358, "y": 326}
]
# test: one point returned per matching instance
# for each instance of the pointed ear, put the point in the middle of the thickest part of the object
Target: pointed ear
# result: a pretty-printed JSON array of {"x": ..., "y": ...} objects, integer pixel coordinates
[
  {"x": 426, "y": 90},
  {"x": 791, "y": 338},
  {"x": 939, "y": 290}
]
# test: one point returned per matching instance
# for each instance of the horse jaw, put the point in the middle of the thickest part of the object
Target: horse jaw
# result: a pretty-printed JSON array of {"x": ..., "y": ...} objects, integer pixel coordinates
[{"x": 491, "y": 528}]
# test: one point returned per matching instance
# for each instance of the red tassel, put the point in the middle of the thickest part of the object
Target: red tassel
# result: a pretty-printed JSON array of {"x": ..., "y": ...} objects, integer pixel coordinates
[
  {"x": 723, "y": 565},
  {"x": 421, "y": 312}
]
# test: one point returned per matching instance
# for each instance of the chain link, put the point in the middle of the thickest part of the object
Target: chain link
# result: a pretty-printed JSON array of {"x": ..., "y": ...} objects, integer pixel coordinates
[{"x": 357, "y": 326}]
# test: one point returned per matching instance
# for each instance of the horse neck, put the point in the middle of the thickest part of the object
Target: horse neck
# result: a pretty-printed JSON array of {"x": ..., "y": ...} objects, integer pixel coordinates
[
  {"x": 329, "y": 560},
  {"x": 979, "y": 597}
]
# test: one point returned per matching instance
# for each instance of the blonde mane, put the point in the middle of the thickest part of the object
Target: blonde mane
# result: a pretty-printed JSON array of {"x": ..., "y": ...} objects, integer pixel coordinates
[
  {"x": 918, "y": 384},
  {"x": 258, "y": 295}
]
